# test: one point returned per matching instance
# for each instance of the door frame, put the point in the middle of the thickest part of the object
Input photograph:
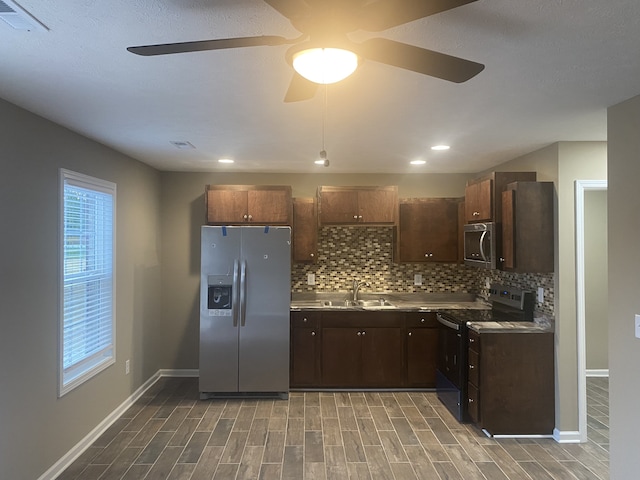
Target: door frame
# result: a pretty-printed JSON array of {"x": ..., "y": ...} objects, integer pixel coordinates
[{"x": 581, "y": 187}]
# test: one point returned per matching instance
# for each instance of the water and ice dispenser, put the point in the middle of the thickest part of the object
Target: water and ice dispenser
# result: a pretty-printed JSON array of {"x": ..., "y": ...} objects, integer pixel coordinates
[{"x": 219, "y": 295}]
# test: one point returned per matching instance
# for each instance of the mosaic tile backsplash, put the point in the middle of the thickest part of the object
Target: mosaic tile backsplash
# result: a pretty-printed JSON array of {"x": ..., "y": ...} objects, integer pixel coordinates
[{"x": 366, "y": 253}]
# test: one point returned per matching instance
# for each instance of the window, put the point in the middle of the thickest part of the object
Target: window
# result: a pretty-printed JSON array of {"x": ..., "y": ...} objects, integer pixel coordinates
[{"x": 87, "y": 320}]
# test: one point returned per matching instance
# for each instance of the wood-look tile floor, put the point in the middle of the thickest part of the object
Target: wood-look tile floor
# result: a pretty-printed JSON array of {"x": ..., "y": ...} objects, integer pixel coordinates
[{"x": 170, "y": 434}]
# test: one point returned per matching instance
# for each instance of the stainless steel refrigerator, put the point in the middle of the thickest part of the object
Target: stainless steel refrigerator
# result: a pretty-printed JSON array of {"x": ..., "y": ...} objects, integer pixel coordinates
[{"x": 245, "y": 297}]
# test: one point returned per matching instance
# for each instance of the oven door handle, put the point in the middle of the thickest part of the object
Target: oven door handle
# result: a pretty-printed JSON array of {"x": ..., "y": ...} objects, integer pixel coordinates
[{"x": 447, "y": 323}]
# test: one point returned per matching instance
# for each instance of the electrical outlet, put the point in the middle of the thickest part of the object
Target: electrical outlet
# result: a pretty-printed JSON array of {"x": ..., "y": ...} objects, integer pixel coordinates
[
  {"x": 127, "y": 368},
  {"x": 540, "y": 295},
  {"x": 311, "y": 279},
  {"x": 417, "y": 279}
]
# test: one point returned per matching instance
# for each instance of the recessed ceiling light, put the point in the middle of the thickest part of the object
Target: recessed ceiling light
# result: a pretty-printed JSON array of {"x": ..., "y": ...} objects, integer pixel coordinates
[
  {"x": 440, "y": 147},
  {"x": 225, "y": 160},
  {"x": 417, "y": 162}
]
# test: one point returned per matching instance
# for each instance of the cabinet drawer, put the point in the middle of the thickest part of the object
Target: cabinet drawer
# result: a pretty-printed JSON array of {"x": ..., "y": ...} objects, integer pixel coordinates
[
  {"x": 305, "y": 319},
  {"x": 474, "y": 367},
  {"x": 473, "y": 402},
  {"x": 474, "y": 341},
  {"x": 421, "y": 319}
]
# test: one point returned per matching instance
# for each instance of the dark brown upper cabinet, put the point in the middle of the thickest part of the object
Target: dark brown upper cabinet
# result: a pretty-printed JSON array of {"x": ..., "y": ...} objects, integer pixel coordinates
[
  {"x": 358, "y": 205},
  {"x": 248, "y": 204},
  {"x": 428, "y": 230},
  {"x": 305, "y": 230}
]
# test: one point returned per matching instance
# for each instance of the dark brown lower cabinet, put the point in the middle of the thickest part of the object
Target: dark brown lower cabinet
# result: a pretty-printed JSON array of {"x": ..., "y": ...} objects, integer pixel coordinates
[
  {"x": 421, "y": 349},
  {"x": 304, "y": 363},
  {"x": 511, "y": 383},
  {"x": 363, "y": 349},
  {"x": 361, "y": 357}
]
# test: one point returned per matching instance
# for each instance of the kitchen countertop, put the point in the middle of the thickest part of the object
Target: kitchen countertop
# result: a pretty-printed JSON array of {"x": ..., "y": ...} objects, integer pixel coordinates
[
  {"x": 407, "y": 302},
  {"x": 537, "y": 326}
]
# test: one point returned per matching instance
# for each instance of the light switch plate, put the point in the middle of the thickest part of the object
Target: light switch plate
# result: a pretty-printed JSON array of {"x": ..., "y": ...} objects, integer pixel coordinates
[
  {"x": 540, "y": 295},
  {"x": 637, "y": 329},
  {"x": 417, "y": 279},
  {"x": 311, "y": 279}
]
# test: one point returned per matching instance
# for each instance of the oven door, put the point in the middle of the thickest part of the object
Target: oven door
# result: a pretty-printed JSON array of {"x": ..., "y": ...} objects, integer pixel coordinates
[{"x": 450, "y": 378}]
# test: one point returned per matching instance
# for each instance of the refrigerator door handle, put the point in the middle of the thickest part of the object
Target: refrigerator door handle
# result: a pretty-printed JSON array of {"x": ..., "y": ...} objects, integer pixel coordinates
[
  {"x": 234, "y": 294},
  {"x": 243, "y": 292}
]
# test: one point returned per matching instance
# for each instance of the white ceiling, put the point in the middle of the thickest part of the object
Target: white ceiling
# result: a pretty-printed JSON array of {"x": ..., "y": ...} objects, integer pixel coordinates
[{"x": 552, "y": 69}]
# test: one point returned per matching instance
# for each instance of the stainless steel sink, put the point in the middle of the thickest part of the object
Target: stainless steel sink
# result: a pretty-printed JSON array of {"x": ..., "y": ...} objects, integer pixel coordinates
[
  {"x": 381, "y": 303},
  {"x": 374, "y": 303}
]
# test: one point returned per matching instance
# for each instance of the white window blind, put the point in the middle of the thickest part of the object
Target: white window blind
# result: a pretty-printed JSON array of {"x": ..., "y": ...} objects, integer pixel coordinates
[{"x": 87, "y": 323}]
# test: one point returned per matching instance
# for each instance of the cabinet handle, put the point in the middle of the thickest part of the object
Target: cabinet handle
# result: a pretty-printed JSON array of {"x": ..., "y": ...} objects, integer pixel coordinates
[
  {"x": 313, "y": 334},
  {"x": 428, "y": 254},
  {"x": 471, "y": 367},
  {"x": 355, "y": 217},
  {"x": 476, "y": 214}
]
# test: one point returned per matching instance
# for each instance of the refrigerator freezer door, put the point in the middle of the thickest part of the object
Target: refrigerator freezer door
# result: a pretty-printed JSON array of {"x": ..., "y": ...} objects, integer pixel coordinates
[
  {"x": 264, "y": 325},
  {"x": 220, "y": 249}
]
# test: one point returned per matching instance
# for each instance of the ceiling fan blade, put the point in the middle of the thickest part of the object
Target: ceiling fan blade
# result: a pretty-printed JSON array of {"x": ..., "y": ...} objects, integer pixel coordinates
[
  {"x": 300, "y": 89},
  {"x": 418, "y": 59},
  {"x": 289, "y": 8},
  {"x": 204, "y": 45},
  {"x": 383, "y": 14}
]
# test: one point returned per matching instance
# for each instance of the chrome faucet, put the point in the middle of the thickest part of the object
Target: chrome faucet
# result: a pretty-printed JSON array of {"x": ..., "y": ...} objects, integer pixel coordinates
[{"x": 356, "y": 287}]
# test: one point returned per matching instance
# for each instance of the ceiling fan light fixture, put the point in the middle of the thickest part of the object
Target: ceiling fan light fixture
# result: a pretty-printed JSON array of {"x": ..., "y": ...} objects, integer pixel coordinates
[{"x": 325, "y": 65}]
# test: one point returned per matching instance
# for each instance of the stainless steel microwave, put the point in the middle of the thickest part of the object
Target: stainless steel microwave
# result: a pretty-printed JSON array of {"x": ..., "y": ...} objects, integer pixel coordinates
[{"x": 480, "y": 245}]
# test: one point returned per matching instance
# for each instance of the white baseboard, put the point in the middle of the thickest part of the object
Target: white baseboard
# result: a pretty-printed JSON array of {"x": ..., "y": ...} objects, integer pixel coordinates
[
  {"x": 566, "y": 436},
  {"x": 597, "y": 372},
  {"x": 64, "y": 462}
]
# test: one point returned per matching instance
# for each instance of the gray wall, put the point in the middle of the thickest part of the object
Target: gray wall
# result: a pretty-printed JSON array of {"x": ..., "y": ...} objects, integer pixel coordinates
[
  {"x": 596, "y": 280},
  {"x": 624, "y": 285},
  {"x": 36, "y": 427}
]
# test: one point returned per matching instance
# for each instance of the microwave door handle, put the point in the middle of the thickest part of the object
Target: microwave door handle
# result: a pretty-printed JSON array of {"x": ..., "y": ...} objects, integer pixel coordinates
[{"x": 484, "y": 257}]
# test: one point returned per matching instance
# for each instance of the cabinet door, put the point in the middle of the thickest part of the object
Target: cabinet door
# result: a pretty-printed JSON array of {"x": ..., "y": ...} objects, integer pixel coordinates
[
  {"x": 381, "y": 357},
  {"x": 341, "y": 357},
  {"x": 338, "y": 207},
  {"x": 428, "y": 231},
  {"x": 304, "y": 357},
  {"x": 508, "y": 229},
  {"x": 226, "y": 206},
  {"x": 479, "y": 201},
  {"x": 272, "y": 206},
  {"x": 377, "y": 206},
  {"x": 422, "y": 348},
  {"x": 305, "y": 230}
]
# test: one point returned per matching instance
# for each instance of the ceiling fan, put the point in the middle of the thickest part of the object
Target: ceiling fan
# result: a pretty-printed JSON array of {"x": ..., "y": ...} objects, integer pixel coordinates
[{"x": 326, "y": 23}]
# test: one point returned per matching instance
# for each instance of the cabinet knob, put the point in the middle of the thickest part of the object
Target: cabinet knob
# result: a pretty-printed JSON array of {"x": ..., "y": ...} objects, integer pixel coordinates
[
  {"x": 355, "y": 217},
  {"x": 471, "y": 367},
  {"x": 245, "y": 216},
  {"x": 501, "y": 259},
  {"x": 422, "y": 320},
  {"x": 471, "y": 400},
  {"x": 409, "y": 333},
  {"x": 359, "y": 333},
  {"x": 250, "y": 217},
  {"x": 313, "y": 334},
  {"x": 472, "y": 340},
  {"x": 312, "y": 255},
  {"x": 359, "y": 217},
  {"x": 304, "y": 319},
  {"x": 476, "y": 214},
  {"x": 364, "y": 333}
]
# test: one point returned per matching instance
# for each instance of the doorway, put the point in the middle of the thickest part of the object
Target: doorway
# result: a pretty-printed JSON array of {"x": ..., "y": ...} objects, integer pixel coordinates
[{"x": 591, "y": 289}]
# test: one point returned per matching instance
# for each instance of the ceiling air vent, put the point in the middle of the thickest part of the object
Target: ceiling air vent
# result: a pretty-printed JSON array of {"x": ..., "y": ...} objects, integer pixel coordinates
[{"x": 17, "y": 17}]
